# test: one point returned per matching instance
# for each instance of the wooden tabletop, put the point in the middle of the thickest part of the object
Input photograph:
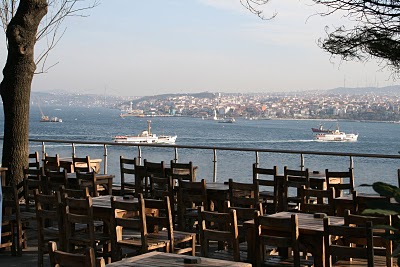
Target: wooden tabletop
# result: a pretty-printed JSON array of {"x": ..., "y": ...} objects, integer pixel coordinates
[
  {"x": 307, "y": 223},
  {"x": 105, "y": 201},
  {"x": 217, "y": 187},
  {"x": 168, "y": 259},
  {"x": 72, "y": 175}
]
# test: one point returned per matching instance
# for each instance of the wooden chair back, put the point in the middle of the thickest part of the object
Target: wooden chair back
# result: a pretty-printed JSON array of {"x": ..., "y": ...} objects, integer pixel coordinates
[
  {"x": 65, "y": 259},
  {"x": 11, "y": 232},
  {"x": 294, "y": 180},
  {"x": 160, "y": 187},
  {"x": 135, "y": 218},
  {"x": 82, "y": 164},
  {"x": 317, "y": 201},
  {"x": 32, "y": 180},
  {"x": 382, "y": 246},
  {"x": 54, "y": 180},
  {"x": 285, "y": 234},
  {"x": 267, "y": 187},
  {"x": 226, "y": 231},
  {"x": 152, "y": 168},
  {"x": 346, "y": 183},
  {"x": 51, "y": 163},
  {"x": 33, "y": 160},
  {"x": 48, "y": 214},
  {"x": 190, "y": 196},
  {"x": 243, "y": 214},
  {"x": 342, "y": 251},
  {"x": 75, "y": 193},
  {"x": 243, "y": 195},
  {"x": 184, "y": 171},
  {"x": 88, "y": 180},
  {"x": 128, "y": 169},
  {"x": 362, "y": 202},
  {"x": 78, "y": 212}
]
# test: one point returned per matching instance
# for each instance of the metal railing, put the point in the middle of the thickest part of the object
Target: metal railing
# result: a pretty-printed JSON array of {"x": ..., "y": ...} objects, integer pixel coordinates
[{"x": 214, "y": 149}]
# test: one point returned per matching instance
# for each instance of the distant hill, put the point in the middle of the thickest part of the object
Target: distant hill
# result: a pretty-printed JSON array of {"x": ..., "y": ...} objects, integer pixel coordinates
[{"x": 388, "y": 90}]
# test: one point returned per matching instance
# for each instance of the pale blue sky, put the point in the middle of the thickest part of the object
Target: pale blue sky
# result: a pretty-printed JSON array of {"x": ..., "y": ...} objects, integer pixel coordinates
[{"x": 146, "y": 47}]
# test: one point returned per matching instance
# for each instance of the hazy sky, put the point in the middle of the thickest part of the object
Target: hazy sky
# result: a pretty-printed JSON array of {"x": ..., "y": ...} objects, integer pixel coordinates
[{"x": 147, "y": 47}]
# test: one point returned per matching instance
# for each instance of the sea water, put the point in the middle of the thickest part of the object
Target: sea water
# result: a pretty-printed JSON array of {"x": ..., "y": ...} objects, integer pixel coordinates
[{"x": 101, "y": 124}]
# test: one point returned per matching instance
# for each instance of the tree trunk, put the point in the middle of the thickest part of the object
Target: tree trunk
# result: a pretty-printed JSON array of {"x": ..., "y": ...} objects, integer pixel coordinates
[{"x": 15, "y": 88}]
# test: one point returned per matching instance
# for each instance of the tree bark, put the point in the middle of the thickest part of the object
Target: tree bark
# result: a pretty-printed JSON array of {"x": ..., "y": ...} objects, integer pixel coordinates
[{"x": 15, "y": 88}]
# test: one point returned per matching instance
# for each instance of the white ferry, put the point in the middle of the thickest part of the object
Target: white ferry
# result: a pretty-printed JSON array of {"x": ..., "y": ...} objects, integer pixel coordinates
[
  {"x": 336, "y": 136},
  {"x": 146, "y": 137}
]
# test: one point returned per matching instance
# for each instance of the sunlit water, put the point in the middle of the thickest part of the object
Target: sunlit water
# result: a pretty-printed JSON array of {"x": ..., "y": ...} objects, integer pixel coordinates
[{"x": 100, "y": 124}]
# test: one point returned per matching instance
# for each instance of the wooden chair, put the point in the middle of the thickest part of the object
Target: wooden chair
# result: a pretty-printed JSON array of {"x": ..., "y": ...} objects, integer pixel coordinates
[
  {"x": 164, "y": 228},
  {"x": 32, "y": 180},
  {"x": 50, "y": 225},
  {"x": 243, "y": 215},
  {"x": 191, "y": 195},
  {"x": 51, "y": 163},
  {"x": 74, "y": 193},
  {"x": 184, "y": 171},
  {"x": 346, "y": 181},
  {"x": 54, "y": 180},
  {"x": 382, "y": 246},
  {"x": 317, "y": 201},
  {"x": 128, "y": 175},
  {"x": 78, "y": 212},
  {"x": 161, "y": 187},
  {"x": 293, "y": 181},
  {"x": 33, "y": 159},
  {"x": 362, "y": 202},
  {"x": 96, "y": 187},
  {"x": 65, "y": 259},
  {"x": 226, "y": 232},
  {"x": 129, "y": 229},
  {"x": 12, "y": 234},
  {"x": 152, "y": 168},
  {"x": 82, "y": 164},
  {"x": 338, "y": 254},
  {"x": 243, "y": 195},
  {"x": 285, "y": 234},
  {"x": 15, "y": 220},
  {"x": 267, "y": 187}
]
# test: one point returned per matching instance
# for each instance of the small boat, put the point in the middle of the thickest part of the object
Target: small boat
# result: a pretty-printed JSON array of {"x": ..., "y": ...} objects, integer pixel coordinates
[
  {"x": 230, "y": 120},
  {"x": 45, "y": 118},
  {"x": 146, "y": 137},
  {"x": 320, "y": 129}
]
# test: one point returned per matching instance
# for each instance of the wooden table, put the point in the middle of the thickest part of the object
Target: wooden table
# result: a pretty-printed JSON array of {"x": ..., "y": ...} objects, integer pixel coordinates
[
  {"x": 67, "y": 164},
  {"x": 162, "y": 259},
  {"x": 311, "y": 234},
  {"x": 102, "y": 179},
  {"x": 346, "y": 202}
]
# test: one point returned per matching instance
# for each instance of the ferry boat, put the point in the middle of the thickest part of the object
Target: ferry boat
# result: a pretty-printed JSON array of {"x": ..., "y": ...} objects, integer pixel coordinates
[
  {"x": 336, "y": 136},
  {"x": 146, "y": 137}
]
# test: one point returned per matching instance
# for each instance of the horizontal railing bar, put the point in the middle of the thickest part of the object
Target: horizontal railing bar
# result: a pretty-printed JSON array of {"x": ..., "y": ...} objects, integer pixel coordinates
[{"x": 265, "y": 150}]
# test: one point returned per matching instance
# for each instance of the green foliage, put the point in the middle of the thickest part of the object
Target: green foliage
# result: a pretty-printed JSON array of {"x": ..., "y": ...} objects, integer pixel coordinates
[{"x": 383, "y": 208}]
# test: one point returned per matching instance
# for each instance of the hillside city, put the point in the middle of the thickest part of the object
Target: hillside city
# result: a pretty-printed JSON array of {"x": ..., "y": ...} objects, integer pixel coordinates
[{"x": 375, "y": 104}]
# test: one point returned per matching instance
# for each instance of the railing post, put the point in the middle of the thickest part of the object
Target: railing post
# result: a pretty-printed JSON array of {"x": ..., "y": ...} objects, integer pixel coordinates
[
  {"x": 302, "y": 161},
  {"x": 257, "y": 158},
  {"x": 105, "y": 159},
  {"x": 176, "y": 154},
  {"x": 351, "y": 162},
  {"x": 43, "y": 150},
  {"x": 140, "y": 155},
  {"x": 73, "y": 150},
  {"x": 215, "y": 166}
]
